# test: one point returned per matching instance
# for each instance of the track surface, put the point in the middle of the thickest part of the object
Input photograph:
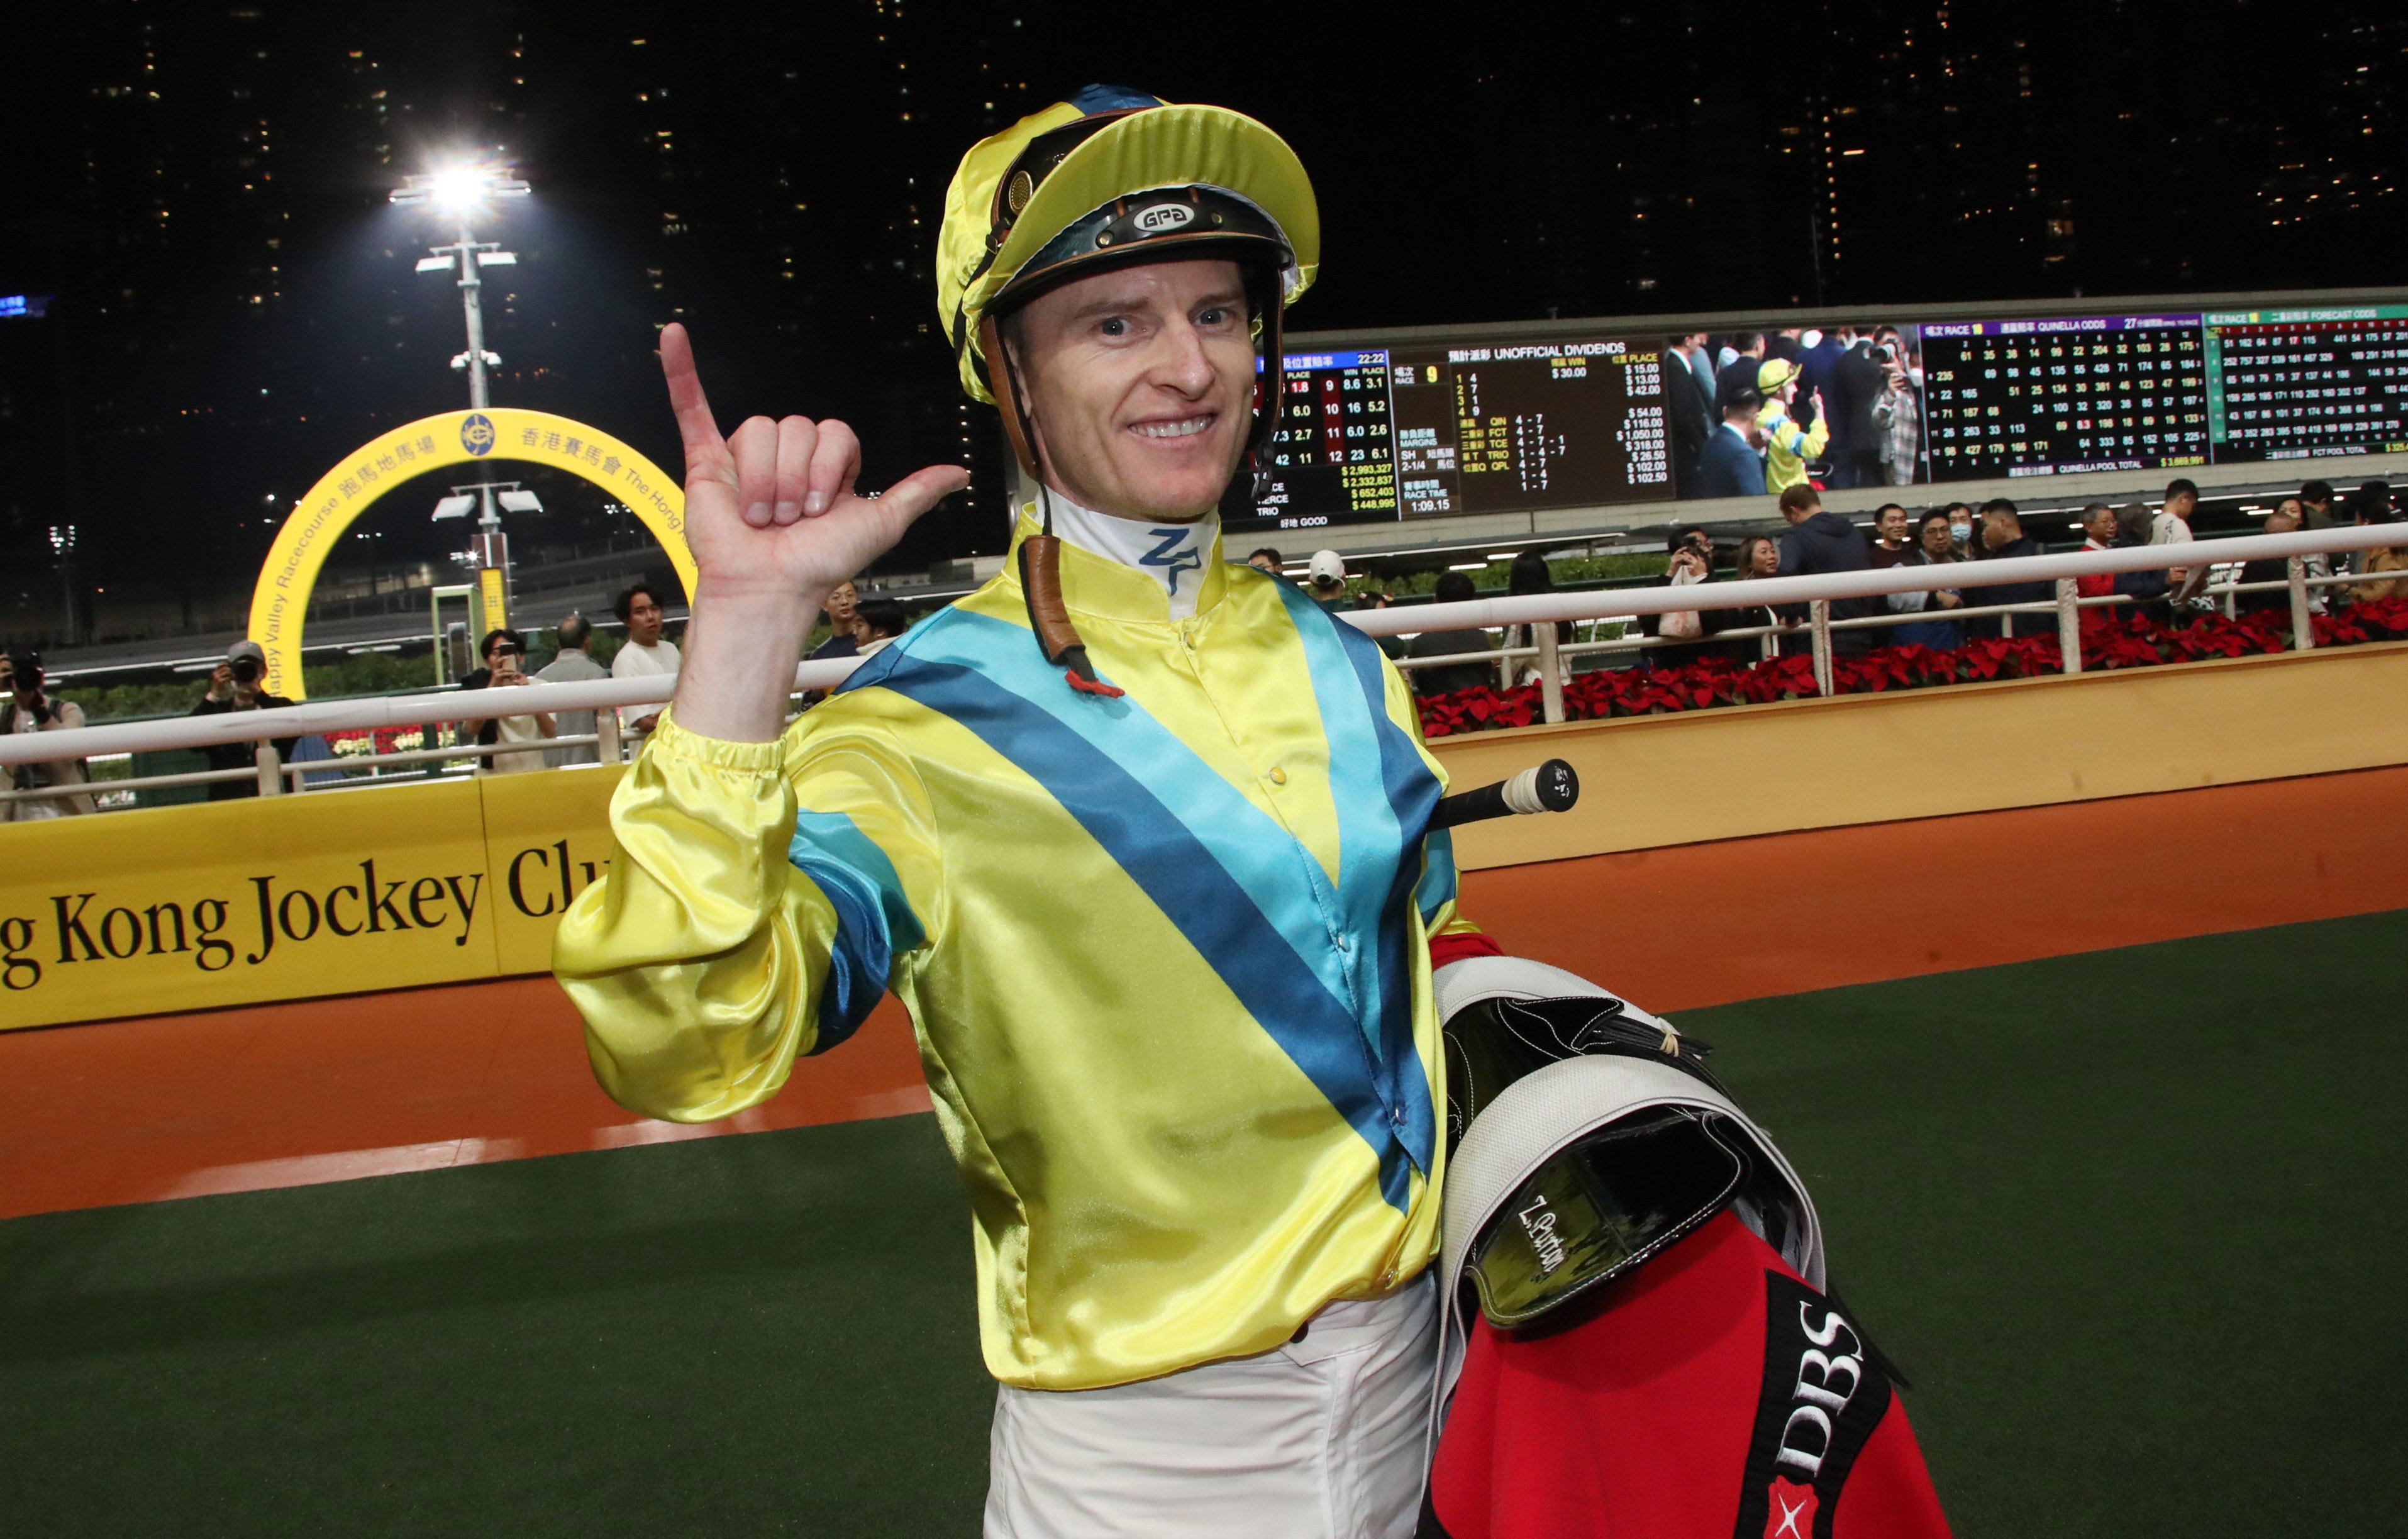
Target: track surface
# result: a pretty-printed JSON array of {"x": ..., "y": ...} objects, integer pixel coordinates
[{"x": 333, "y": 1089}]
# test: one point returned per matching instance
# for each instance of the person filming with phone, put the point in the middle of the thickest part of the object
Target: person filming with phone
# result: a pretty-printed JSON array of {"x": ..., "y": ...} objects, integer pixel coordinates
[
  {"x": 239, "y": 683},
  {"x": 504, "y": 667}
]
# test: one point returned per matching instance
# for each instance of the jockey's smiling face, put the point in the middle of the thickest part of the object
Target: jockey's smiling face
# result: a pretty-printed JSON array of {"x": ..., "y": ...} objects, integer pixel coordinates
[{"x": 1140, "y": 383}]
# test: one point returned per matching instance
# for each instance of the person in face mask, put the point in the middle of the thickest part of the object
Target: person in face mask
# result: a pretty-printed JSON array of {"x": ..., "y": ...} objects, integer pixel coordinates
[{"x": 1962, "y": 527}]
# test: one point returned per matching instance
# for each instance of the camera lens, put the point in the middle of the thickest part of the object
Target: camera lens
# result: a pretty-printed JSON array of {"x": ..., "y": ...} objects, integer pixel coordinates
[{"x": 246, "y": 670}]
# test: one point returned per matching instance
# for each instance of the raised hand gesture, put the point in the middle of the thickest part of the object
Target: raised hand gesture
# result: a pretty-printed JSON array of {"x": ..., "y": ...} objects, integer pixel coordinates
[
  {"x": 774, "y": 523},
  {"x": 775, "y": 505}
]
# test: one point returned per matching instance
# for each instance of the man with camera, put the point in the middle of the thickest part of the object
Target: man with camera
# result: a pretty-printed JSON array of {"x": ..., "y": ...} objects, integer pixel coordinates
[
  {"x": 239, "y": 683},
  {"x": 30, "y": 708}
]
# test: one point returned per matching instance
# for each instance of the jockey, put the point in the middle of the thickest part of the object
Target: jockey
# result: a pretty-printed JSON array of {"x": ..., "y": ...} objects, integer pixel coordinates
[{"x": 1136, "y": 834}]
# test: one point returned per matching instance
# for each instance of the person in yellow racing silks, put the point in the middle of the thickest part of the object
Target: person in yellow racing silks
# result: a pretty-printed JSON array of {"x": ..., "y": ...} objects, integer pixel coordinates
[
  {"x": 1787, "y": 447},
  {"x": 1135, "y": 833}
]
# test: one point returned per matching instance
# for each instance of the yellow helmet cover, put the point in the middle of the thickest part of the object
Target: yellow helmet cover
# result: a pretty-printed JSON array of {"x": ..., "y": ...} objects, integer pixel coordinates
[{"x": 1013, "y": 197}]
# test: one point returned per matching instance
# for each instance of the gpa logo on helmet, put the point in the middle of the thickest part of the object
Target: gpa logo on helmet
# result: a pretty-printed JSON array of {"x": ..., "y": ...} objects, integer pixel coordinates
[{"x": 1163, "y": 218}]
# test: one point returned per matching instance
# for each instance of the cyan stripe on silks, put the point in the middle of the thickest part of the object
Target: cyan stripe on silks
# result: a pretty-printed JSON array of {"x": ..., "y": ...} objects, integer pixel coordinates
[
  {"x": 1212, "y": 909},
  {"x": 1368, "y": 841},
  {"x": 1412, "y": 793},
  {"x": 1436, "y": 887},
  {"x": 1280, "y": 875},
  {"x": 873, "y": 918}
]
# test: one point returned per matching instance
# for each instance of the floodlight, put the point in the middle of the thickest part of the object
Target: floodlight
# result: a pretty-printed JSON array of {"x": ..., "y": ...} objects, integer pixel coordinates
[
  {"x": 459, "y": 188},
  {"x": 497, "y": 259},
  {"x": 458, "y": 505},
  {"x": 520, "y": 502},
  {"x": 434, "y": 263}
]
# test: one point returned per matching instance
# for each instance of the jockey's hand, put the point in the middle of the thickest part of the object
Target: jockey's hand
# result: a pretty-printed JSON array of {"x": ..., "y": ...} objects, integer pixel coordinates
[{"x": 774, "y": 522}]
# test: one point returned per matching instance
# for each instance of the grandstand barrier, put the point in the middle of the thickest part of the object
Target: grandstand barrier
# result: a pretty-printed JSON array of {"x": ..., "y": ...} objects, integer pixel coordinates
[{"x": 373, "y": 885}]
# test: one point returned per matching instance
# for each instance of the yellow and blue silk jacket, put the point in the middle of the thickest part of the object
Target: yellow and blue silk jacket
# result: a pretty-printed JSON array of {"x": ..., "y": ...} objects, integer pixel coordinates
[{"x": 1166, "y": 955}]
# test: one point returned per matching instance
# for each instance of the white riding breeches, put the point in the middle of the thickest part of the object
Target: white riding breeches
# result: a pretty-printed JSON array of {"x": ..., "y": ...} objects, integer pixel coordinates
[{"x": 1322, "y": 1438}]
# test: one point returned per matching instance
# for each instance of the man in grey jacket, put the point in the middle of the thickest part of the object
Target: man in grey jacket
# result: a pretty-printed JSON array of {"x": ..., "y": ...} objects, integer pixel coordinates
[{"x": 574, "y": 665}]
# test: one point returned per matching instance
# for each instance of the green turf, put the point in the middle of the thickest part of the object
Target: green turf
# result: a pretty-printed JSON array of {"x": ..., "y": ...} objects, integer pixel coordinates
[
  {"x": 763, "y": 1334},
  {"x": 2131, "y": 1220}
]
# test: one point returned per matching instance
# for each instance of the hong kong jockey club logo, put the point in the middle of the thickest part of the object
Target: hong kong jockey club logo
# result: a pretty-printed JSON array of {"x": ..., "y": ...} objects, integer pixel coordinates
[
  {"x": 476, "y": 433},
  {"x": 1790, "y": 1512}
]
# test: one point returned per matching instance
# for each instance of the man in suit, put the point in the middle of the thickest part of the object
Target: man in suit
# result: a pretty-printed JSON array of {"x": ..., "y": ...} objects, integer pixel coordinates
[
  {"x": 1728, "y": 466},
  {"x": 1814, "y": 376},
  {"x": 1689, "y": 403},
  {"x": 1739, "y": 373},
  {"x": 2003, "y": 539},
  {"x": 1858, "y": 380}
]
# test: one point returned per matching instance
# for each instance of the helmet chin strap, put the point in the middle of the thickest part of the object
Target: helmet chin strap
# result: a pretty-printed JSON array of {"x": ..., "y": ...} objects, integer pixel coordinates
[{"x": 1040, "y": 554}]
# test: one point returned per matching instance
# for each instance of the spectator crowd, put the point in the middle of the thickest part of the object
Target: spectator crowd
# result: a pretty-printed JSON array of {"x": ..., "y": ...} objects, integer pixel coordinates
[{"x": 1776, "y": 413}]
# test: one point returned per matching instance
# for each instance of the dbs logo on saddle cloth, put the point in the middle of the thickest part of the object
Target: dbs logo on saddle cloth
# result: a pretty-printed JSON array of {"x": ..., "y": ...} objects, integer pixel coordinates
[
  {"x": 1713, "y": 1360},
  {"x": 1820, "y": 1402}
]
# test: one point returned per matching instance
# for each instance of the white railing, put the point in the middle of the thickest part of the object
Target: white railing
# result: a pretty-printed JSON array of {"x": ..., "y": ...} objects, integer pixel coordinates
[
  {"x": 1537, "y": 610},
  {"x": 2226, "y": 588},
  {"x": 1541, "y": 610}
]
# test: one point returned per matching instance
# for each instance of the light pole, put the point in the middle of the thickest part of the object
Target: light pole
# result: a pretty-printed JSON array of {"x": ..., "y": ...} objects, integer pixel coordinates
[
  {"x": 457, "y": 194},
  {"x": 62, "y": 544}
]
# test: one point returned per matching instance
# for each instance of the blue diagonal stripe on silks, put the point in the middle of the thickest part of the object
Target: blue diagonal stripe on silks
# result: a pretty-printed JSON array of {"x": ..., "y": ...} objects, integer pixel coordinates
[
  {"x": 1187, "y": 880},
  {"x": 874, "y": 922},
  {"x": 1279, "y": 875}
]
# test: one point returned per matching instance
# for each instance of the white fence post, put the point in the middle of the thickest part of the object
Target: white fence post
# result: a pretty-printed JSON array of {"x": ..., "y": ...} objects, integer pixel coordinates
[
  {"x": 2069, "y": 624},
  {"x": 606, "y": 727},
  {"x": 1550, "y": 682},
  {"x": 271, "y": 772},
  {"x": 2303, "y": 626},
  {"x": 1818, "y": 614}
]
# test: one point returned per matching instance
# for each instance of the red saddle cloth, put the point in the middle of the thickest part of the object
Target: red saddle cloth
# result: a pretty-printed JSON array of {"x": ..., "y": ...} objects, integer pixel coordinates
[{"x": 1712, "y": 1395}]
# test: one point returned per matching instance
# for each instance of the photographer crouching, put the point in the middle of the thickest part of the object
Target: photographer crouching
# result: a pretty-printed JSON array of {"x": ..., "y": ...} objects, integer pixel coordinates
[
  {"x": 239, "y": 683},
  {"x": 29, "y": 708}
]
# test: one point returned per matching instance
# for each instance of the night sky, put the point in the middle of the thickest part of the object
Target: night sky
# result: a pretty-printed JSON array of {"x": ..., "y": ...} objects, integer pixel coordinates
[{"x": 202, "y": 186}]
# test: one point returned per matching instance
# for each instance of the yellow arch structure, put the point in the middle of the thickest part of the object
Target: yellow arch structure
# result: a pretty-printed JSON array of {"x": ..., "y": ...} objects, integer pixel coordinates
[{"x": 282, "y": 600}]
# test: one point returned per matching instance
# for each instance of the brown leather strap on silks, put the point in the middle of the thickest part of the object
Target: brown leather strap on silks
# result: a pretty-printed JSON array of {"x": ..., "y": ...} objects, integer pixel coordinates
[{"x": 1040, "y": 583}]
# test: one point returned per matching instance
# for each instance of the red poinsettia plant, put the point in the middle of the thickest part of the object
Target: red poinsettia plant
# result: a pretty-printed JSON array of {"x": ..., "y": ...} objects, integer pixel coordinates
[
  {"x": 348, "y": 742},
  {"x": 2109, "y": 641}
]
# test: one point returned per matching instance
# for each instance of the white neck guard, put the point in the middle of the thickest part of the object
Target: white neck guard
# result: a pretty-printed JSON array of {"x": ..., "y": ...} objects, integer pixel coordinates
[{"x": 1173, "y": 555}]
